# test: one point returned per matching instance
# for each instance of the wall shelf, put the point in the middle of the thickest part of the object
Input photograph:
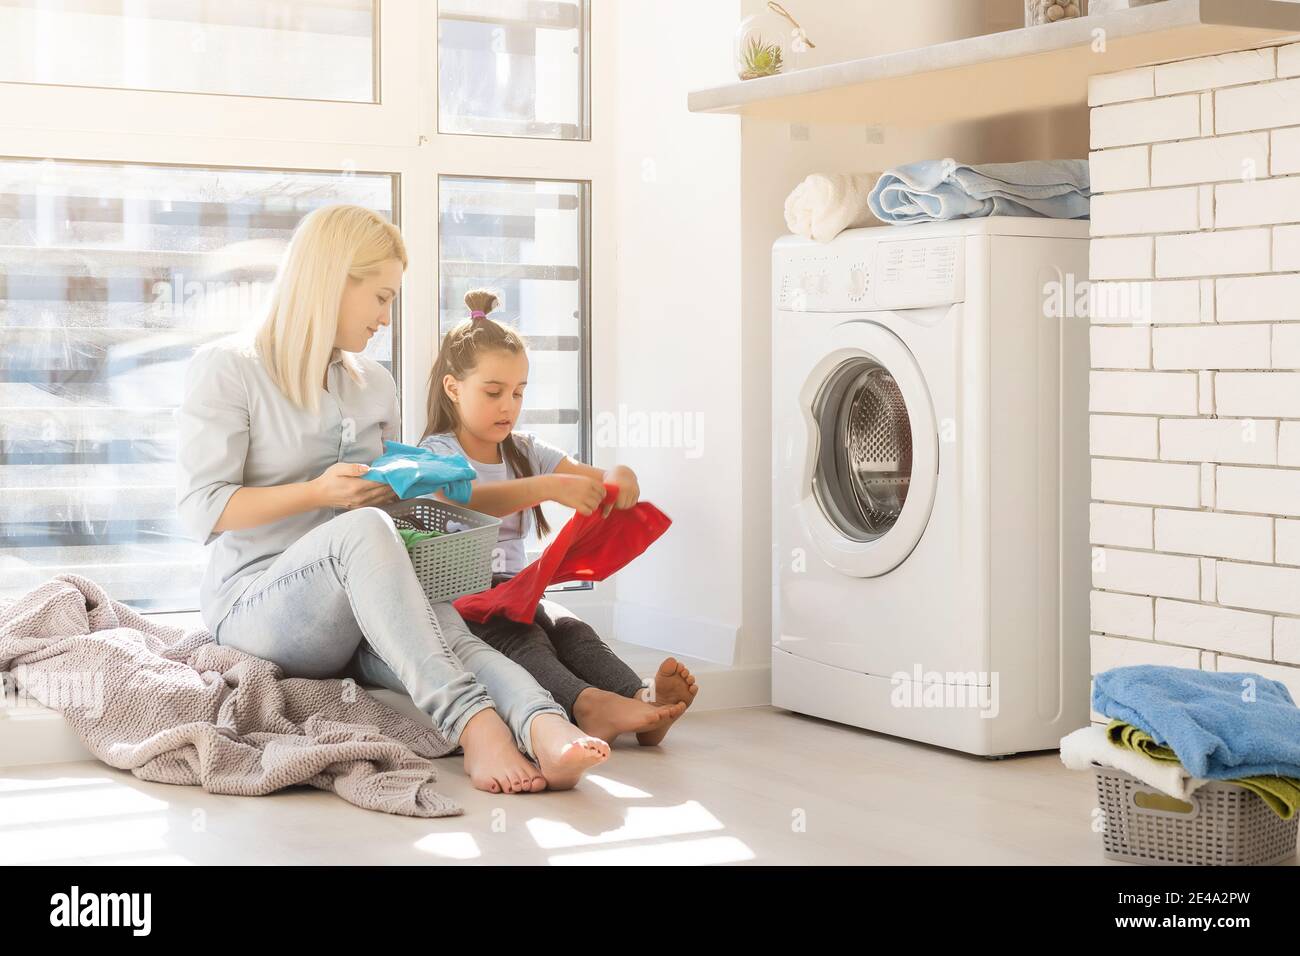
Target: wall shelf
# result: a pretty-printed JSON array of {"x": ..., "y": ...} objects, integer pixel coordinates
[{"x": 996, "y": 74}]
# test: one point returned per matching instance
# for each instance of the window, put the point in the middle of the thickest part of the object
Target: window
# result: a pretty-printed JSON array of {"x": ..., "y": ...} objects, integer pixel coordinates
[
  {"x": 513, "y": 68},
  {"x": 110, "y": 276},
  {"x": 526, "y": 238},
  {"x": 307, "y": 49},
  {"x": 155, "y": 156}
]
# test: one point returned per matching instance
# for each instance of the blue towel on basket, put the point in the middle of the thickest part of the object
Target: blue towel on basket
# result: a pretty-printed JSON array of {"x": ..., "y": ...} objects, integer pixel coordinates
[
  {"x": 938, "y": 189},
  {"x": 1221, "y": 724},
  {"x": 413, "y": 472}
]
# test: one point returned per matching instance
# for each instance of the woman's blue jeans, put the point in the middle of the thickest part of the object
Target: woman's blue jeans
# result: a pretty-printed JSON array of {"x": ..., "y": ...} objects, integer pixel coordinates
[{"x": 344, "y": 600}]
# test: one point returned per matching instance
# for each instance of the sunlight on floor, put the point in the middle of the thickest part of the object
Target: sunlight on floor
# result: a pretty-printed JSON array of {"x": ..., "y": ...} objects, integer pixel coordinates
[
  {"x": 80, "y": 800},
  {"x": 450, "y": 846},
  {"x": 22, "y": 784},
  {"x": 640, "y": 823},
  {"x": 74, "y": 818},
  {"x": 93, "y": 840},
  {"x": 147, "y": 859},
  {"x": 616, "y": 788},
  {"x": 676, "y": 853}
]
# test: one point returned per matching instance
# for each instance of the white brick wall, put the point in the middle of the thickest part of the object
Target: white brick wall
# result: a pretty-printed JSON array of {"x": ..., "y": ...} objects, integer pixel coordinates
[
  {"x": 1286, "y": 639},
  {"x": 1209, "y": 160},
  {"x": 1240, "y": 440},
  {"x": 1211, "y": 346},
  {"x": 1194, "y": 397},
  {"x": 1123, "y": 525},
  {"x": 1152, "y": 210},
  {"x": 1127, "y": 615},
  {"x": 1170, "y": 393},
  {"x": 1116, "y": 169},
  {"x": 1272, "y": 298},
  {"x": 1217, "y": 253},
  {"x": 1130, "y": 436},
  {"x": 1257, "y": 394},
  {"x": 1175, "y": 302}
]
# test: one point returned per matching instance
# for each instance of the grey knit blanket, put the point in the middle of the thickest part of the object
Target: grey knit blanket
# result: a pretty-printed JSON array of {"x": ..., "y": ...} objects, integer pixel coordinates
[{"x": 173, "y": 706}]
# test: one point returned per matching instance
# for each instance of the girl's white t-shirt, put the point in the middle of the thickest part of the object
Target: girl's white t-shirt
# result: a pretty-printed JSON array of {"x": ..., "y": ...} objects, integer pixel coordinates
[{"x": 544, "y": 459}]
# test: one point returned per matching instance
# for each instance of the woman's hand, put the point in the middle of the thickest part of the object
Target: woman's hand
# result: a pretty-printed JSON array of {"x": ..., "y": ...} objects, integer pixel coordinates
[
  {"x": 629, "y": 492},
  {"x": 340, "y": 486},
  {"x": 579, "y": 492}
]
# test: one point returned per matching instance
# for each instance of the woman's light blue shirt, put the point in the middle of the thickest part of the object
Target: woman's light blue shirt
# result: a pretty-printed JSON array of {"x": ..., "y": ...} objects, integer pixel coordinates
[{"x": 236, "y": 428}]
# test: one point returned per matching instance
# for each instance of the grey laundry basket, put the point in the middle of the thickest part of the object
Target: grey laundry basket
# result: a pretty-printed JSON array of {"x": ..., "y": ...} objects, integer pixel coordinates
[
  {"x": 459, "y": 560},
  {"x": 1225, "y": 825}
]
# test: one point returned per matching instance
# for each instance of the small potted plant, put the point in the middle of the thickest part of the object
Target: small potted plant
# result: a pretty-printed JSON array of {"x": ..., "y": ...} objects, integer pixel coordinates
[
  {"x": 1049, "y": 11},
  {"x": 764, "y": 42}
]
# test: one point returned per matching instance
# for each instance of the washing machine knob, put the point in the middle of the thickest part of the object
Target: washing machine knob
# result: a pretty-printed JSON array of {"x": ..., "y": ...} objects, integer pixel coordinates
[{"x": 857, "y": 281}]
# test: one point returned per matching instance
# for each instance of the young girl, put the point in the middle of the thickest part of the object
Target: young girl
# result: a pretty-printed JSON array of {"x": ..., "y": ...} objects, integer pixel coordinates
[{"x": 475, "y": 396}]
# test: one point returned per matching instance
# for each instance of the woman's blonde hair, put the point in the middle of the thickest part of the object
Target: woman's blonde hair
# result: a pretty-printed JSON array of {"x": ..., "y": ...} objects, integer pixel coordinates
[{"x": 296, "y": 337}]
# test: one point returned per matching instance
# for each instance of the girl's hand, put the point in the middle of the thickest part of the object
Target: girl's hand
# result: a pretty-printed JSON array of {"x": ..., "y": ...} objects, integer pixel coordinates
[
  {"x": 578, "y": 492},
  {"x": 341, "y": 486},
  {"x": 629, "y": 492}
]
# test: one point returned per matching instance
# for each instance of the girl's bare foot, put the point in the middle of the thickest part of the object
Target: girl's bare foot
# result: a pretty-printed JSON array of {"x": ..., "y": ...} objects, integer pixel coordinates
[
  {"x": 675, "y": 686},
  {"x": 606, "y": 715},
  {"x": 564, "y": 752},
  {"x": 493, "y": 760}
]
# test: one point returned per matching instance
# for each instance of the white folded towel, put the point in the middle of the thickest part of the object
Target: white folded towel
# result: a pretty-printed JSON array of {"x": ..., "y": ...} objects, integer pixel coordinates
[
  {"x": 1090, "y": 746},
  {"x": 825, "y": 204}
]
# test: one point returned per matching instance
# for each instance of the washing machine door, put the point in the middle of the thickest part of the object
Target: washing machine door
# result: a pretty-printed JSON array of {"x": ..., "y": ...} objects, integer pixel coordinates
[{"x": 872, "y": 461}]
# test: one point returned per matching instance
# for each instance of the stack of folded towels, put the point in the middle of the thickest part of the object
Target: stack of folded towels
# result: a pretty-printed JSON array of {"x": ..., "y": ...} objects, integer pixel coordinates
[
  {"x": 823, "y": 205},
  {"x": 1176, "y": 729}
]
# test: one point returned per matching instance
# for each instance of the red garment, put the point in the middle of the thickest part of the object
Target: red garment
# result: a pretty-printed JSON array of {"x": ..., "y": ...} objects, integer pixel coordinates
[{"x": 588, "y": 548}]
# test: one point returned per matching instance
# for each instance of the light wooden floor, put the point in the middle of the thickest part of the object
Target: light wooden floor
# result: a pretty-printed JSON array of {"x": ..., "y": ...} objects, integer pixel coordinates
[{"x": 732, "y": 786}]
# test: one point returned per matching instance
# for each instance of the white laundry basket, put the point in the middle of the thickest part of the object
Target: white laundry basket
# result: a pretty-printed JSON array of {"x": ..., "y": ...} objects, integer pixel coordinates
[
  {"x": 1220, "y": 824},
  {"x": 459, "y": 560}
]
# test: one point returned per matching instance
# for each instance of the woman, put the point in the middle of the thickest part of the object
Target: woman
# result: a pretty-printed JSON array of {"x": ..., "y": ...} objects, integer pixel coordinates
[{"x": 305, "y": 570}]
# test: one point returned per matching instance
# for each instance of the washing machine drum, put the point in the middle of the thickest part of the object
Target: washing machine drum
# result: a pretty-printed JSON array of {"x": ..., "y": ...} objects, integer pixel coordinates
[{"x": 864, "y": 466}]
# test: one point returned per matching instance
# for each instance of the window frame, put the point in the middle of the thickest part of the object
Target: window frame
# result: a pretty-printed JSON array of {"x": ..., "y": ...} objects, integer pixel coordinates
[
  {"x": 584, "y": 252},
  {"x": 584, "y": 37},
  {"x": 375, "y": 52},
  {"x": 396, "y": 136},
  {"x": 585, "y": 418},
  {"x": 386, "y": 121}
]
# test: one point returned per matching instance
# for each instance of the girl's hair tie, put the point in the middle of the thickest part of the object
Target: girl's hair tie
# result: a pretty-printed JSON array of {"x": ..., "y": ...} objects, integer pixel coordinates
[{"x": 478, "y": 314}]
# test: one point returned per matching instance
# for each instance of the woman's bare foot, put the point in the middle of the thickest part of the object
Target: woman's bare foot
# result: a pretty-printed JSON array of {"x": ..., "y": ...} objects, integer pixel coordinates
[
  {"x": 564, "y": 752},
  {"x": 493, "y": 760},
  {"x": 675, "y": 686},
  {"x": 606, "y": 715}
]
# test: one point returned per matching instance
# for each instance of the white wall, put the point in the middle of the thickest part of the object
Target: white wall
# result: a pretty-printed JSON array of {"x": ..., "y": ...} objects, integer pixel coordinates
[
  {"x": 1195, "y": 393},
  {"x": 677, "y": 328}
]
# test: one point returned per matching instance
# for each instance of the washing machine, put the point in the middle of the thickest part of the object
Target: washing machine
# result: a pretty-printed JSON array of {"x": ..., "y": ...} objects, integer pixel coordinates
[{"x": 930, "y": 481}]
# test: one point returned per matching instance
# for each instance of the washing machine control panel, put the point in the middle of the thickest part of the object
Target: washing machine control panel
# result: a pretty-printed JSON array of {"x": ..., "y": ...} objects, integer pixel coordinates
[
  {"x": 912, "y": 274},
  {"x": 869, "y": 276}
]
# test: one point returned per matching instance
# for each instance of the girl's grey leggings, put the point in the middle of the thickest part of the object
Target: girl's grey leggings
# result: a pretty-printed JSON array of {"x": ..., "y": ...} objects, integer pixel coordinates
[
  {"x": 561, "y": 650},
  {"x": 344, "y": 600}
]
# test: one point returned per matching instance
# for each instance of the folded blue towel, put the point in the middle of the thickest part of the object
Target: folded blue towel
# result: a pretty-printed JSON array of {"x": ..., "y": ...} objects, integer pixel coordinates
[
  {"x": 939, "y": 189},
  {"x": 1221, "y": 724},
  {"x": 413, "y": 471}
]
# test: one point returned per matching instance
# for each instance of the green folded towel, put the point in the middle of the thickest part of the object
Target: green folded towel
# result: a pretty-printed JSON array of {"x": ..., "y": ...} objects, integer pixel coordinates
[
  {"x": 1131, "y": 738},
  {"x": 411, "y": 537},
  {"x": 1282, "y": 794}
]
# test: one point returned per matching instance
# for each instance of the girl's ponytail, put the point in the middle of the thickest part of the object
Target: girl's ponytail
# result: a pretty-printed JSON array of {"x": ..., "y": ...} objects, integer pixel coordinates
[{"x": 480, "y": 302}]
